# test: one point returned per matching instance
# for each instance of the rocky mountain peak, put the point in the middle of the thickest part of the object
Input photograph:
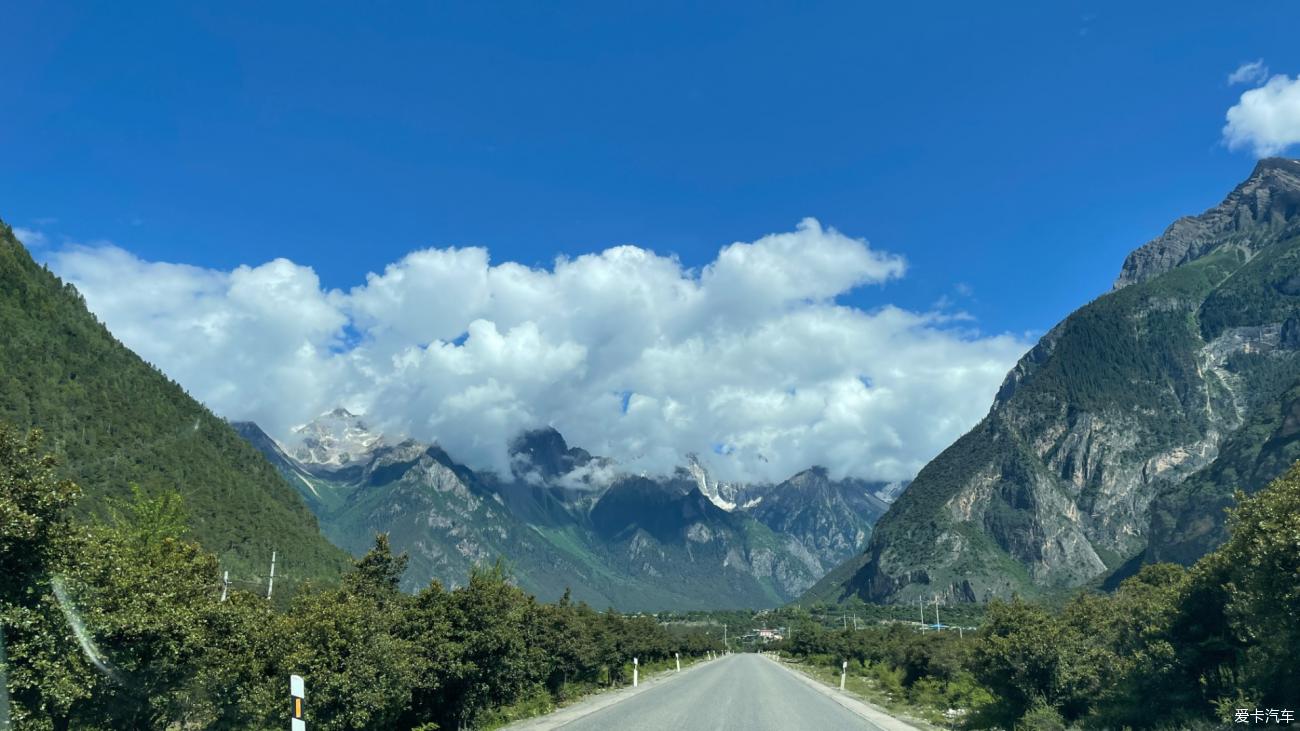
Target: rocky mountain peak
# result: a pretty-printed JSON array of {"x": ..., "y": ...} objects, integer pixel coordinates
[
  {"x": 542, "y": 455},
  {"x": 1254, "y": 212},
  {"x": 334, "y": 440},
  {"x": 816, "y": 473},
  {"x": 725, "y": 495}
]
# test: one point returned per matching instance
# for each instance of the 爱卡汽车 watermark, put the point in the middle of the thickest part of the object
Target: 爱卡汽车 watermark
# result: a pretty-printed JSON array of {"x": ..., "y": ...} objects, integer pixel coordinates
[{"x": 1264, "y": 715}]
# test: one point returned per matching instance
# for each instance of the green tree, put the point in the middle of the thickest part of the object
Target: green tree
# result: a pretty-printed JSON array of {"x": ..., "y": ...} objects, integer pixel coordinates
[
  {"x": 33, "y": 511},
  {"x": 427, "y": 624},
  {"x": 491, "y": 621},
  {"x": 143, "y": 593},
  {"x": 1017, "y": 657},
  {"x": 1256, "y": 577},
  {"x": 567, "y": 643},
  {"x": 378, "y": 573},
  {"x": 347, "y": 645},
  {"x": 42, "y": 669}
]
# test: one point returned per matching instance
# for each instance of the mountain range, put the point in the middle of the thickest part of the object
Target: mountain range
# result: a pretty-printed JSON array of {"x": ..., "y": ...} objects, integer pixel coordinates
[
  {"x": 1117, "y": 440},
  {"x": 567, "y": 520},
  {"x": 1120, "y": 437}
]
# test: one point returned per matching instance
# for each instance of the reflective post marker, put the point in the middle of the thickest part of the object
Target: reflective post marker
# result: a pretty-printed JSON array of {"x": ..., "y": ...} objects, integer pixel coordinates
[
  {"x": 296, "y": 723},
  {"x": 634, "y": 672},
  {"x": 844, "y": 671},
  {"x": 678, "y": 655}
]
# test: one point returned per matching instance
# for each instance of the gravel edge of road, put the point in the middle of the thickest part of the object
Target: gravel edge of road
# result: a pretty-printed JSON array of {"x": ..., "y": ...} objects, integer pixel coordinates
[
  {"x": 598, "y": 702},
  {"x": 853, "y": 704}
]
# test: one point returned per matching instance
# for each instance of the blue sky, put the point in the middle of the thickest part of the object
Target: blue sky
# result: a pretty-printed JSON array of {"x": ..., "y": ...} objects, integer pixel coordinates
[
  {"x": 1020, "y": 149},
  {"x": 1012, "y": 153}
]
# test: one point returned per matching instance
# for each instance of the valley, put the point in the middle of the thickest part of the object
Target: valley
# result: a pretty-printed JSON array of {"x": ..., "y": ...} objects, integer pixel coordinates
[{"x": 482, "y": 366}]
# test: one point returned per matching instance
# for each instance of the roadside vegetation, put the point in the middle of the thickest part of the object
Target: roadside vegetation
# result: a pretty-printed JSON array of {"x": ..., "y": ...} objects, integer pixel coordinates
[
  {"x": 118, "y": 622},
  {"x": 1171, "y": 648}
]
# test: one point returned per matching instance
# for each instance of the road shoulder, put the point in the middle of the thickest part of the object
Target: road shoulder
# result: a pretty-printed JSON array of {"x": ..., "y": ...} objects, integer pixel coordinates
[
  {"x": 598, "y": 702},
  {"x": 858, "y": 707}
]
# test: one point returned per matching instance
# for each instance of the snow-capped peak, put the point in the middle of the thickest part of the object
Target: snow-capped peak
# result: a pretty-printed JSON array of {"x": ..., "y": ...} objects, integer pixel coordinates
[
  {"x": 722, "y": 494},
  {"x": 334, "y": 439}
]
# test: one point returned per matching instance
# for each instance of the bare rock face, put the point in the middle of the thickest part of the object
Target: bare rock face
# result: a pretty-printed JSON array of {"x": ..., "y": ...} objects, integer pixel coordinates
[
  {"x": 1120, "y": 436},
  {"x": 1248, "y": 219}
]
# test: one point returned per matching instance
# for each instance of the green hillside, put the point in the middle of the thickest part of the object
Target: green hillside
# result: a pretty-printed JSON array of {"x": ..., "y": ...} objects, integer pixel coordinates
[{"x": 114, "y": 420}]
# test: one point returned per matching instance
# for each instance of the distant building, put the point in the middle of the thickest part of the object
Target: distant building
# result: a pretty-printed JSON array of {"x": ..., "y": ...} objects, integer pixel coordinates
[{"x": 768, "y": 635}]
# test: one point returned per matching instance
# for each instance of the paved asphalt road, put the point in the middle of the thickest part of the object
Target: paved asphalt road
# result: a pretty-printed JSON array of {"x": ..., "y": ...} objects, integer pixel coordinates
[{"x": 742, "y": 692}]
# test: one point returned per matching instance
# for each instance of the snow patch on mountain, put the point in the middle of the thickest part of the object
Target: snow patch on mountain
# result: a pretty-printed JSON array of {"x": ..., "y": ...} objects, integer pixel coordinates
[
  {"x": 723, "y": 494},
  {"x": 892, "y": 490},
  {"x": 335, "y": 439}
]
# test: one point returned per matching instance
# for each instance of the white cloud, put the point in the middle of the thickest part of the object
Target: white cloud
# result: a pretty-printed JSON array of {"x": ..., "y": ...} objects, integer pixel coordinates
[
  {"x": 30, "y": 238},
  {"x": 1249, "y": 73},
  {"x": 1267, "y": 118},
  {"x": 750, "y": 360}
]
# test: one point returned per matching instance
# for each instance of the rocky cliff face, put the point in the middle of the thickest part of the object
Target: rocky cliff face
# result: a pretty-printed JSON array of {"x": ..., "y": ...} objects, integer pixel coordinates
[
  {"x": 828, "y": 520},
  {"x": 1119, "y": 437},
  {"x": 1248, "y": 219}
]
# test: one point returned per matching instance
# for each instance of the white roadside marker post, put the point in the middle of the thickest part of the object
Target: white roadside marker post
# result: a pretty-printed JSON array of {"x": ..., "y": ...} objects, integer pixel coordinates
[
  {"x": 678, "y": 655},
  {"x": 635, "y": 672},
  {"x": 844, "y": 671},
  {"x": 296, "y": 695}
]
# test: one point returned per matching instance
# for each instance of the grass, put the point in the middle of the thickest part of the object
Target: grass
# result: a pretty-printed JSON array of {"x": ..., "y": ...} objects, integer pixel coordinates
[{"x": 877, "y": 692}]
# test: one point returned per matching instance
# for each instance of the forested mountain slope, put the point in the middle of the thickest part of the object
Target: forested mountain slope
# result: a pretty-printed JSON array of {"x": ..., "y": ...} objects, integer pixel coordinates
[{"x": 114, "y": 420}]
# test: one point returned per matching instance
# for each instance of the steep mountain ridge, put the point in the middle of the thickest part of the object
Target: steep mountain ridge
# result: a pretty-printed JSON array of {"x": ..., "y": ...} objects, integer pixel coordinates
[
  {"x": 1257, "y": 211},
  {"x": 114, "y": 421},
  {"x": 1119, "y": 437},
  {"x": 830, "y": 520}
]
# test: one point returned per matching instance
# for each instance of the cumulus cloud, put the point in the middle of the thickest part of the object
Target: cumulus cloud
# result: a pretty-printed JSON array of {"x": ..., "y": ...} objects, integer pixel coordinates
[
  {"x": 750, "y": 360},
  {"x": 1249, "y": 73},
  {"x": 1267, "y": 118}
]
